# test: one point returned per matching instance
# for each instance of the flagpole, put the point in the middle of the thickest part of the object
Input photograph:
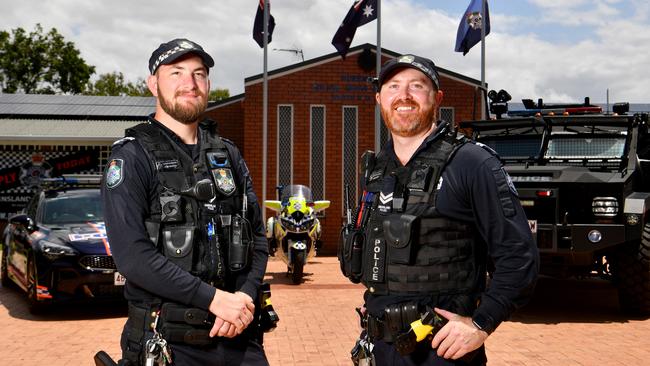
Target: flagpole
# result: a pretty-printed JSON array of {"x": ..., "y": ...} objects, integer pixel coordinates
[
  {"x": 265, "y": 102},
  {"x": 483, "y": 25},
  {"x": 378, "y": 67}
]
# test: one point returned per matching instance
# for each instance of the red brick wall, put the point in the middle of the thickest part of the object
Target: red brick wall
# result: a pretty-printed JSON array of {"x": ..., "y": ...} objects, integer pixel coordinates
[
  {"x": 230, "y": 119},
  {"x": 334, "y": 84}
]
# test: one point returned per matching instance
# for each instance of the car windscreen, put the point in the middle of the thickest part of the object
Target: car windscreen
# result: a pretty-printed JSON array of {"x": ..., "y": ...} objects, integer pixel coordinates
[{"x": 72, "y": 209}]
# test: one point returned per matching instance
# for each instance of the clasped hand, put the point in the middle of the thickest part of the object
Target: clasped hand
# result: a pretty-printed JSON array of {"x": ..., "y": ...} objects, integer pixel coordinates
[{"x": 234, "y": 312}]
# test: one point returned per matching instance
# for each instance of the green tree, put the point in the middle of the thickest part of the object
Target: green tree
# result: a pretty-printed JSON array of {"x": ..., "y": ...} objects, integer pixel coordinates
[
  {"x": 41, "y": 63},
  {"x": 114, "y": 84},
  {"x": 218, "y": 94}
]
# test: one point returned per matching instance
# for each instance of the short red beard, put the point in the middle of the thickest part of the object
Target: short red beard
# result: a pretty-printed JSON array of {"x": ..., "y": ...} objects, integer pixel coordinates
[
  {"x": 184, "y": 114},
  {"x": 418, "y": 125}
]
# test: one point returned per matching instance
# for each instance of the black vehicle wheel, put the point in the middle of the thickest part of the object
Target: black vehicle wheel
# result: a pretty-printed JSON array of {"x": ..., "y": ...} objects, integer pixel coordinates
[
  {"x": 632, "y": 276},
  {"x": 4, "y": 279},
  {"x": 35, "y": 306},
  {"x": 298, "y": 267}
]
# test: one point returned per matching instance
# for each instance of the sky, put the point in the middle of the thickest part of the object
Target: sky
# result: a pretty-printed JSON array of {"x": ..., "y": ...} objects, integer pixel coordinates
[{"x": 558, "y": 50}]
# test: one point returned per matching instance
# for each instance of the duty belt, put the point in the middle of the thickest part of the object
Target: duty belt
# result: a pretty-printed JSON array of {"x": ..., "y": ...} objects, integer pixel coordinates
[
  {"x": 404, "y": 334},
  {"x": 177, "y": 323},
  {"x": 395, "y": 320}
]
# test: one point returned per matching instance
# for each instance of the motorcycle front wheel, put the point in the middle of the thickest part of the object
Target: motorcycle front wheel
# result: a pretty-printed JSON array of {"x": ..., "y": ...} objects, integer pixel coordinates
[{"x": 298, "y": 267}]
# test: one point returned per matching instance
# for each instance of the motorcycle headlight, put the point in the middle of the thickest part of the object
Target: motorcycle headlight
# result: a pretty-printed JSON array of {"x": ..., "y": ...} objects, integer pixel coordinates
[
  {"x": 289, "y": 223},
  {"x": 54, "y": 251}
]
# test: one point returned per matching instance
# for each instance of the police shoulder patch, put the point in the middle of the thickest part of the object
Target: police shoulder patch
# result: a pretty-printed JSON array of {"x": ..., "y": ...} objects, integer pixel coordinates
[{"x": 114, "y": 173}]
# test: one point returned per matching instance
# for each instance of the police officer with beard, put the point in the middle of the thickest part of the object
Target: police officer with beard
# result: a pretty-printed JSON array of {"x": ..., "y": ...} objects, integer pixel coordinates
[
  {"x": 185, "y": 226},
  {"x": 435, "y": 210}
]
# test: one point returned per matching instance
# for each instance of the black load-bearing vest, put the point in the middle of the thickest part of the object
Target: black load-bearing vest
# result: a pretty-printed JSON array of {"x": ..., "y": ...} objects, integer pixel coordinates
[
  {"x": 184, "y": 229},
  {"x": 410, "y": 248}
]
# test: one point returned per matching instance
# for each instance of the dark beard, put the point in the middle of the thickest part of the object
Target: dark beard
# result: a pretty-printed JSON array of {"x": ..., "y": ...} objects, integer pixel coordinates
[
  {"x": 420, "y": 124},
  {"x": 185, "y": 115}
]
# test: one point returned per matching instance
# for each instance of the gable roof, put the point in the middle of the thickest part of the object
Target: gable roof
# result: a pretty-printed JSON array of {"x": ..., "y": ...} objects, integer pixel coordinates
[{"x": 352, "y": 51}]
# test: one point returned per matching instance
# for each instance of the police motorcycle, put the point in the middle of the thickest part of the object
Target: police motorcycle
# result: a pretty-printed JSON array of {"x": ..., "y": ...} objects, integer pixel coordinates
[{"x": 294, "y": 233}]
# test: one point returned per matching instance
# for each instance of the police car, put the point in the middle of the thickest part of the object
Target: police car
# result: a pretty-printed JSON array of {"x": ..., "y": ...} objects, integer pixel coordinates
[
  {"x": 57, "y": 250},
  {"x": 583, "y": 179}
]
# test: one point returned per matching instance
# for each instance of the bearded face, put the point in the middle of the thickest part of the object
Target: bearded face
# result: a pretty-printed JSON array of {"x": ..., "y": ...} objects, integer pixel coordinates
[
  {"x": 183, "y": 111},
  {"x": 408, "y": 103},
  {"x": 407, "y": 117}
]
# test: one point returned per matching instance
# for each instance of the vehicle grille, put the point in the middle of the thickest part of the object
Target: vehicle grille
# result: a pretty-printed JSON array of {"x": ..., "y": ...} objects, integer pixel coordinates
[{"x": 97, "y": 262}]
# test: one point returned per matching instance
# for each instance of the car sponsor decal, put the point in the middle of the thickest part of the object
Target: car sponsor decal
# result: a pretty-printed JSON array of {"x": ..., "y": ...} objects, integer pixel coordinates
[
  {"x": 43, "y": 292},
  {"x": 114, "y": 175},
  {"x": 100, "y": 231}
]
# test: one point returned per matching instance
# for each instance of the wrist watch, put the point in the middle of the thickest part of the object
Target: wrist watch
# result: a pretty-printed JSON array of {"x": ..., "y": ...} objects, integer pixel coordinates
[{"x": 484, "y": 323}]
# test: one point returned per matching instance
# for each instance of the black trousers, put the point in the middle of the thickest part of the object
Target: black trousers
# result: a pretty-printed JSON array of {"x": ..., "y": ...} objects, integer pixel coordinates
[
  {"x": 241, "y": 350},
  {"x": 229, "y": 352},
  {"x": 386, "y": 355}
]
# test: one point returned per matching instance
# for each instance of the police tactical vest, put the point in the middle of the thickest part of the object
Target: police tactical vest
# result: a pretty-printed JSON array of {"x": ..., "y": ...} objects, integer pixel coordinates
[
  {"x": 186, "y": 230},
  {"x": 409, "y": 247}
]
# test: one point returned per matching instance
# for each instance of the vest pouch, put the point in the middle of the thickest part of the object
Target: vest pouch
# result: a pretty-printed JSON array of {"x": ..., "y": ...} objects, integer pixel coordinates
[
  {"x": 398, "y": 230},
  {"x": 241, "y": 244},
  {"x": 177, "y": 243},
  {"x": 350, "y": 253}
]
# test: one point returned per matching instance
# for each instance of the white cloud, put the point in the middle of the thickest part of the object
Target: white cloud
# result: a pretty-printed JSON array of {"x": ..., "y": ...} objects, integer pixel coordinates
[{"x": 119, "y": 35}]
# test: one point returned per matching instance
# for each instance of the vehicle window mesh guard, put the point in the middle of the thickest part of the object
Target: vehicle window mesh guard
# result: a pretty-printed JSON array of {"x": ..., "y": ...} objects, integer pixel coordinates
[{"x": 586, "y": 148}]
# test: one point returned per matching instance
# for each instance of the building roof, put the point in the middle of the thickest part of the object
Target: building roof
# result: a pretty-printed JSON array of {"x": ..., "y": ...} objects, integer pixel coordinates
[
  {"x": 352, "y": 51},
  {"x": 28, "y": 117},
  {"x": 14, "y": 129},
  {"x": 75, "y": 106}
]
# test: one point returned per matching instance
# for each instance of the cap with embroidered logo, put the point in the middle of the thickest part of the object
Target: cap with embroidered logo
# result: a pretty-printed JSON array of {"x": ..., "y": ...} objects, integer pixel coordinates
[
  {"x": 426, "y": 66},
  {"x": 168, "y": 52}
]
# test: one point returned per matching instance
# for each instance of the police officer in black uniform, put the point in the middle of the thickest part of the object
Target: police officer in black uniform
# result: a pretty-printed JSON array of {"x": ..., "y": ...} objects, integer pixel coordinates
[
  {"x": 185, "y": 226},
  {"x": 435, "y": 210}
]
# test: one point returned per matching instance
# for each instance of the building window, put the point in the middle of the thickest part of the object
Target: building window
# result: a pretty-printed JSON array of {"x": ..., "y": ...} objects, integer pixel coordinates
[
  {"x": 317, "y": 156},
  {"x": 285, "y": 144},
  {"x": 350, "y": 162},
  {"x": 447, "y": 114}
]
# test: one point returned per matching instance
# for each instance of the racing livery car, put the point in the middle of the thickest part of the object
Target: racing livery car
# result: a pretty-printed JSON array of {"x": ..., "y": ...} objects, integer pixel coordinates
[
  {"x": 583, "y": 181},
  {"x": 57, "y": 249}
]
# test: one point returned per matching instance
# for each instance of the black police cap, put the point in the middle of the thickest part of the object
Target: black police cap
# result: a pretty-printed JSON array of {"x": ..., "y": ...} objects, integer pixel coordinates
[
  {"x": 426, "y": 66},
  {"x": 168, "y": 52}
]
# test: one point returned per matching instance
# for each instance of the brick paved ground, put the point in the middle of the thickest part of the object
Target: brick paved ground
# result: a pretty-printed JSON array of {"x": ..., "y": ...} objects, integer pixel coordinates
[{"x": 567, "y": 323}]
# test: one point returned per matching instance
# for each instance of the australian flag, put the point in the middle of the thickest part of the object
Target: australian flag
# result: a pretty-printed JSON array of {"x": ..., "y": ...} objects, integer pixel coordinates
[
  {"x": 258, "y": 26},
  {"x": 469, "y": 29},
  {"x": 361, "y": 12}
]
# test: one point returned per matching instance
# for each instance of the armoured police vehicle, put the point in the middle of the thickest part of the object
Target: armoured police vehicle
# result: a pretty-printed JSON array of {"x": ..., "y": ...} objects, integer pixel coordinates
[{"x": 583, "y": 179}]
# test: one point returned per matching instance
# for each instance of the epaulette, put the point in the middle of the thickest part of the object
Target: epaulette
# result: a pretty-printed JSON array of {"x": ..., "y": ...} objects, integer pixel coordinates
[
  {"x": 231, "y": 142},
  {"x": 485, "y": 147},
  {"x": 123, "y": 141}
]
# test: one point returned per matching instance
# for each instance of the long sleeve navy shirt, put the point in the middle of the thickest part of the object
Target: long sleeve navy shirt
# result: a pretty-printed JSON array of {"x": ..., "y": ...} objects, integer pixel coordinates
[
  {"x": 475, "y": 189},
  {"x": 149, "y": 274}
]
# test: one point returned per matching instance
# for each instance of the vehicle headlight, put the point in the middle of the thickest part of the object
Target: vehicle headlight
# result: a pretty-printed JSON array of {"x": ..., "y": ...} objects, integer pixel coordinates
[
  {"x": 604, "y": 206},
  {"x": 54, "y": 251}
]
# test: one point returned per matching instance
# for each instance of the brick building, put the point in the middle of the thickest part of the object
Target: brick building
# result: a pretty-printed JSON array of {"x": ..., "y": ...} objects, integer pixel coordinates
[{"x": 321, "y": 118}]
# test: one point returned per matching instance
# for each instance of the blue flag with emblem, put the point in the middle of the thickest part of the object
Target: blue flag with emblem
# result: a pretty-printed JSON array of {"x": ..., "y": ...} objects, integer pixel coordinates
[
  {"x": 361, "y": 12},
  {"x": 469, "y": 29},
  {"x": 258, "y": 25}
]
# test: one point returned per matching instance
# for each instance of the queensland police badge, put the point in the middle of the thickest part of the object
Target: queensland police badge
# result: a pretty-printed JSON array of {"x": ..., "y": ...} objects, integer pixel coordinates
[{"x": 221, "y": 172}]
